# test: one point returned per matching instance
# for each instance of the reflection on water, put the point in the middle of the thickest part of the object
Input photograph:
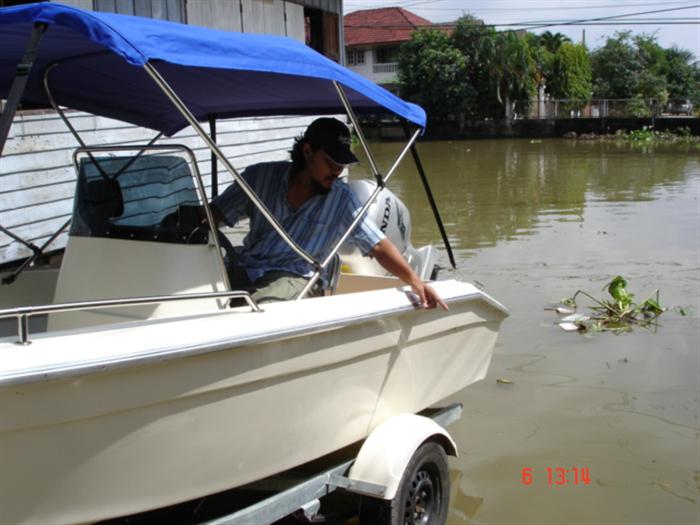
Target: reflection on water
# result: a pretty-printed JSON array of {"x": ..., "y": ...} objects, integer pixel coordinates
[
  {"x": 497, "y": 190},
  {"x": 534, "y": 222},
  {"x": 463, "y": 506}
]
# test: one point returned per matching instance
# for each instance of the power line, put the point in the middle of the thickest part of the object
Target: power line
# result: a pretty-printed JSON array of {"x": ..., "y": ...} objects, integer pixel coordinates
[
  {"x": 537, "y": 25},
  {"x": 476, "y": 9},
  {"x": 611, "y": 17},
  {"x": 614, "y": 17}
]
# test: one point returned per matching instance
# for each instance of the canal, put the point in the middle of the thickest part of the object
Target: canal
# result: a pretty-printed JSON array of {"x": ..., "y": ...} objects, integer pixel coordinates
[{"x": 534, "y": 221}]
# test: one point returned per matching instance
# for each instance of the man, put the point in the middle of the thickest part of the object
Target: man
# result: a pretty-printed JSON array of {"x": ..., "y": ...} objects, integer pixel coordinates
[{"x": 315, "y": 208}]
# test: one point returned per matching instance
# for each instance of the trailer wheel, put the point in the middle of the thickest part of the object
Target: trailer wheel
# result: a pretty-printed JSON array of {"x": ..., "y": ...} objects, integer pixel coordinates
[{"x": 423, "y": 494}]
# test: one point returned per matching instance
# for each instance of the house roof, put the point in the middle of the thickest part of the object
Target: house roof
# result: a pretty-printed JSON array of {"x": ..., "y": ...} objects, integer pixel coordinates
[{"x": 381, "y": 26}]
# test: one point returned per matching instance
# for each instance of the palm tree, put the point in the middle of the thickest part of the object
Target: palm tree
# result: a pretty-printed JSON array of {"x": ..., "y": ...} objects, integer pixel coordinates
[
  {"x": 552, "y": 41},
  {"x": 513, "y": 69}
]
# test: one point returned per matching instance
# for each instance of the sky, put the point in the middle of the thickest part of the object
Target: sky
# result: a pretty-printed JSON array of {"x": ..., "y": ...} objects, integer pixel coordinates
[{"x": 671, "y": 27}]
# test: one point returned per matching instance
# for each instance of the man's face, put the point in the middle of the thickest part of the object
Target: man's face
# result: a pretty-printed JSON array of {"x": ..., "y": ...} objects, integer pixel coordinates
[{"x": 322, "y": 169}]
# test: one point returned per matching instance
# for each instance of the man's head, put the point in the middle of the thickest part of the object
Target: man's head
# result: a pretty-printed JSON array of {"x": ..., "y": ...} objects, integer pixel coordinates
[
  {"x": 323, "y": 151},
  {"x": 333, "y": 137}
]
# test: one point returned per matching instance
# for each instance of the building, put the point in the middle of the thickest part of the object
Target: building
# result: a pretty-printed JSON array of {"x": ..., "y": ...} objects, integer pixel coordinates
[
  {"x": 37, "y": 178},
  {"x": 316, "y": 22},
  {"x": 373, "y": 38}
]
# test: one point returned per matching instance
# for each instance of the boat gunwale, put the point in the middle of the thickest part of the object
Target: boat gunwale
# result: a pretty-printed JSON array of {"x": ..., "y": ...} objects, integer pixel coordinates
[{"x": 78, "y": 368}]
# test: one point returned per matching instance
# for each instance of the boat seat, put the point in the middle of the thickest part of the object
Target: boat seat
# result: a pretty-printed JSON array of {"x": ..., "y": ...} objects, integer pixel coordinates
[{"x": 104, "y": 202}]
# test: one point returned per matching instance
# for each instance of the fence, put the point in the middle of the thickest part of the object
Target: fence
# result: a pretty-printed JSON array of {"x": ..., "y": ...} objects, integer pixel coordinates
[{"x": 597, "y": 108}]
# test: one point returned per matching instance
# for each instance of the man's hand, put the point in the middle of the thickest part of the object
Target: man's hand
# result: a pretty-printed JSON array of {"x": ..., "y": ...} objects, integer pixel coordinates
[
  {"x": 427, "y": 296},
  {"x": 391, "y": 259}
]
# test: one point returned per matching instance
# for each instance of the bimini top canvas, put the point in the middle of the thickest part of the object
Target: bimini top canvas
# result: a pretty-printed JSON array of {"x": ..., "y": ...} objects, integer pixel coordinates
[{"x": 99, "y": 60}]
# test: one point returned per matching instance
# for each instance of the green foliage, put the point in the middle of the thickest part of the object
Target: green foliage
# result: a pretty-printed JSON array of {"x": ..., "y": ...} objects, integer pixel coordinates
[
  {"x": 513, "y": 69},
  {"x": 617, "y": 288},
  {"x": 500, "y": 67},
  {"x": 638, "y": 67},
  {"x": 616, "y": 68},
  {"x": 647, "y": 136},
  {"x": 477, "y": 44},
  {"x": 683, "y": 80},
  {"x": 553, "y": 41},
  {"x": 542, "y": 59},
  {"x": 434, "y": 74},
  {"x": 652, "y": 81},
  {"x": 477, "y": 72},
  {"x": 619, "y": 313},
  {"x": 570, "y": 75},
  {"x": 638, "y": 107}
]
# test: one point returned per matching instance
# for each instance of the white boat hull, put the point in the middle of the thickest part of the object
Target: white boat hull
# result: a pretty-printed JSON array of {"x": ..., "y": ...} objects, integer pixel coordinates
[{"x": 103, "y": 424}]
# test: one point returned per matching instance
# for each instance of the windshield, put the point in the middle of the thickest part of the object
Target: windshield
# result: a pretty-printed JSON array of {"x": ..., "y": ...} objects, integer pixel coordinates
[{"x": 147, "y": 197}]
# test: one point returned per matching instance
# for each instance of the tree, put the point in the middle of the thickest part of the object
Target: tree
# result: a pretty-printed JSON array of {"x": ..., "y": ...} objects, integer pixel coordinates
[
  {"x": 652, "y": 80},
  {"x": 477, "y": 44},
  {"x": 682, "y": 79},
  {"x": 513, "y": 71},
  {"x": 616, "y": 67},
  {"x": 629, "y": 67},
  {"x": 553, "y": 41},
  {"x": 570, "y": 76},
  {"x": 542, "y": 59},
  {"x": 433, "y": 73}
]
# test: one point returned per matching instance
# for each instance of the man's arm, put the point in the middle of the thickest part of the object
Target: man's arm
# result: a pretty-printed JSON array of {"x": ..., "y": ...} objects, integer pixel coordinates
[
  {"x": 391, "y": 259},
  {"x": 215, "y": 213}
]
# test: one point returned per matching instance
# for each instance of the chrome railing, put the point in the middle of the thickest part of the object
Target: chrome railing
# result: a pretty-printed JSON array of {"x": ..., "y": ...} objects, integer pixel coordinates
[{"x": 23, "y": 313}]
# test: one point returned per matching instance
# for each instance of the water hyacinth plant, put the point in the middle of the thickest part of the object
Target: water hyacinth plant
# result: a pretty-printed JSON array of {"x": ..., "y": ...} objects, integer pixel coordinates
[{"x": 617, "y": 314}]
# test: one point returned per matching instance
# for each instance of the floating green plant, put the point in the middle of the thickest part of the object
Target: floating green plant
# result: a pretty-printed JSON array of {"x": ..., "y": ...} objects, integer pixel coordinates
[
  {"x": 647, "y": 136},
  {"x": 620, "y": 313}
]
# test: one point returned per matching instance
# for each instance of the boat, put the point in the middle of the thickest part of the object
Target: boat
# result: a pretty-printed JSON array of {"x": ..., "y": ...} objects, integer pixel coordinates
[{"x": 130, "y": 382}]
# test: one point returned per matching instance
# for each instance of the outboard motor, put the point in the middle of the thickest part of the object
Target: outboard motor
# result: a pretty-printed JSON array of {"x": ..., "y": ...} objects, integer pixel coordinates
[{"x": 392, "y": 218}]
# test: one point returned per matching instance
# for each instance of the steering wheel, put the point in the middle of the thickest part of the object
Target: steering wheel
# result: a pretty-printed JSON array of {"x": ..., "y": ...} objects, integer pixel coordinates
[{"x": 229, "y": 250}]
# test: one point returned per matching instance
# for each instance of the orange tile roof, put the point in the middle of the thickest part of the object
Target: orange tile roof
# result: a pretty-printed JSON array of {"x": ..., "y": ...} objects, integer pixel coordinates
[{"x": 381, "y": 26}]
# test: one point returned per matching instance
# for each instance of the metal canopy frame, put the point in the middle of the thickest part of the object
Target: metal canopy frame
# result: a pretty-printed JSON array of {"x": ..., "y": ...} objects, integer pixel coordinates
[
  {"x": 217, "y": 154},
  {"x": 20, "y": 81},
  {"x": 319, "y": 266},
  {"x": 38, "y": 251}
]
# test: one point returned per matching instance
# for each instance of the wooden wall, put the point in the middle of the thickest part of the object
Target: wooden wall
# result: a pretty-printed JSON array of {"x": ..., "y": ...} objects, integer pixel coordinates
[{"x": 272, "y": 17}]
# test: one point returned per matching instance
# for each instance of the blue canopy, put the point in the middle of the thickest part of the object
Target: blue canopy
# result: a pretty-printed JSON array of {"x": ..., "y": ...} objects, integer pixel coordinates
[{"x": 216, "y": 73}]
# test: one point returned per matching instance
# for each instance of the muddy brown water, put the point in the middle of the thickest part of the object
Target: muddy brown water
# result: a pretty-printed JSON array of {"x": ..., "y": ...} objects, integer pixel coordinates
[{"x": 533, "y": 221}]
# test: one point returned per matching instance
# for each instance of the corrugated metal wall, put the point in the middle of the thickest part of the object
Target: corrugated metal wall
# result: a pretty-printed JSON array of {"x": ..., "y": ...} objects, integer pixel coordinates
[{"x": 36, "y": 174}]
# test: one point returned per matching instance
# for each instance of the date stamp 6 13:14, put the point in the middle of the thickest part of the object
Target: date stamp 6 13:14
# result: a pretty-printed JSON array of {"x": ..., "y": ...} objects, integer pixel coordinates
[{"x": 559, "y": 476}]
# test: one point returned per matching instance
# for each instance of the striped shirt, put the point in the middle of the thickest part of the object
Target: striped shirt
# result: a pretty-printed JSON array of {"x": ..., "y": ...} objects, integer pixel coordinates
[{"x": 315, "y": 226}]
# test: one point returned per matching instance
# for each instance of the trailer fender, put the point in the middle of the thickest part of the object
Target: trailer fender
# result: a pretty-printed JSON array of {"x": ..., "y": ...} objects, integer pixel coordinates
[{"x": 388, "y": 449}]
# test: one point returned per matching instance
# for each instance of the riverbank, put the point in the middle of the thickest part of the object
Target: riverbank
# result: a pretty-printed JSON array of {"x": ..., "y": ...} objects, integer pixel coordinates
[{"x": 534, "y": 128}]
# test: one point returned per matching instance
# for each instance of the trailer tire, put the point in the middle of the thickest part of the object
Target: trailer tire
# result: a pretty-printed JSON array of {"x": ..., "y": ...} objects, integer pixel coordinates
[{"x": 423, "y": 494}]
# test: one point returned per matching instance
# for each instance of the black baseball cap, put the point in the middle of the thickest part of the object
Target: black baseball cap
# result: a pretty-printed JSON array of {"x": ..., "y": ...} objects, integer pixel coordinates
[{"x": 333, "y": 137}]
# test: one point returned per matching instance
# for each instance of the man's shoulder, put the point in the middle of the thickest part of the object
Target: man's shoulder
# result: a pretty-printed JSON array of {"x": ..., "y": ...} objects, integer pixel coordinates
[
  {"x": 342, "y": 187},
  {"x": 343, "y": 191},
  {"x": 267, "y": 168}
]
